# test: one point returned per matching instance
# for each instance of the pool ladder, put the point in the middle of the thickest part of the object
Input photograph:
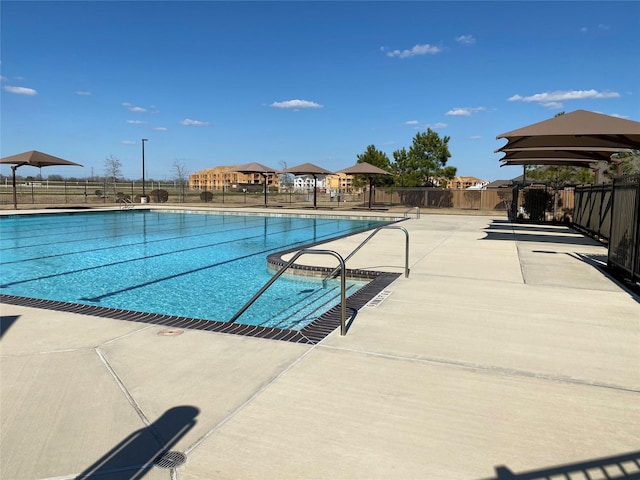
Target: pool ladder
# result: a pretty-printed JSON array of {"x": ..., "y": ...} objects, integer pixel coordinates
[
  {"x": 386, "y": 227},
  {"x": 125, "y": 203},
  {"x": 341, "y": 268},
  {"x": 417, "y": 209}
]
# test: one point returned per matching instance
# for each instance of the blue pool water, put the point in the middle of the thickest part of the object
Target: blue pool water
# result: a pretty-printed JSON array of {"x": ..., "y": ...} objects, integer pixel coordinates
[{"x": 196, "y": 265}]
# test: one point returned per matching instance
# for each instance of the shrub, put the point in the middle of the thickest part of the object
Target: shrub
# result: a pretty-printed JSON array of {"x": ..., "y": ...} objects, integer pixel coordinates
[
  {"x": 206, "y": 196},
  {"x": 159, "y": 196}
]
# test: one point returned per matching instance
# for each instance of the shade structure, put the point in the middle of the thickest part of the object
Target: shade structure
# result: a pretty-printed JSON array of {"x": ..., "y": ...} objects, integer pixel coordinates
[
  {"x": 32, "y": 158},
  {"x": 585, "y": 154},
  {"x": 309, "y": 169},
  {"x": 580, "y": 128},
  {"x": 549, "y": 161},
  {"x": 584, "y": 157},
  {"x": 254, "y": 167},
  {"x": 364, "y": 168}
]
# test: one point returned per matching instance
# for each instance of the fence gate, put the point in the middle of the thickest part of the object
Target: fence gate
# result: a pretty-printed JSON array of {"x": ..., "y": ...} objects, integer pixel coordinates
[{"x": 624, "y": 242}]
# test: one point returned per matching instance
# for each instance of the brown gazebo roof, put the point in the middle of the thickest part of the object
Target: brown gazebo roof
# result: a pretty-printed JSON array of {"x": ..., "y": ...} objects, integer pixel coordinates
[{"x": 580, "y": 128}]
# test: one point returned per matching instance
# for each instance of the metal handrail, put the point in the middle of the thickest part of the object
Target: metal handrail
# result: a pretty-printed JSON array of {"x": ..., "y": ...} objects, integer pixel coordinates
[
  {"x": 385, "y": 227},
  {"x": 125, "y": 203},
  {"x": 417, "y": 209},
  {"x": 343, "y": 296}
]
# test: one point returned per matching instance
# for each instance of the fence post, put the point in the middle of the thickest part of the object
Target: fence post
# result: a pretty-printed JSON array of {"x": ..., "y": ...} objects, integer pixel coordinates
[{"x": 635, "y": 267}]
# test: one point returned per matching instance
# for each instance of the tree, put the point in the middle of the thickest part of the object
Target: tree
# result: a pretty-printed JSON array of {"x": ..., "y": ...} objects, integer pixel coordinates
[
  {"x": 378, "y": 159},
  {"x": 448, "y": 173},
  {"x": 113, "y": 170},
  {"x": 425, "y": 159},
  {"x": 559, "y": 176},
  {"x": 404, "y": 176},
  {"x": 287, "y": 180},
  {"x": 181, "y": 176},
  {"x": 629, "y": 164}
]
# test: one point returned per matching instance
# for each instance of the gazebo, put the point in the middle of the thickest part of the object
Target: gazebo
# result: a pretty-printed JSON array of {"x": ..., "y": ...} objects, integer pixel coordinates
[
  {"x": 32, "y": 158},
  {"x": 309, "y": 169},
  {"x": 364, "y": 168}
]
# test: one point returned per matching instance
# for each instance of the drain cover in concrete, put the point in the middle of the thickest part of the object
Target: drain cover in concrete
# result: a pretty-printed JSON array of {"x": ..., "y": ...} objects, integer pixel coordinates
[
  {"x": 170, "y": 332},
  {"x": 171, "y": 459}
]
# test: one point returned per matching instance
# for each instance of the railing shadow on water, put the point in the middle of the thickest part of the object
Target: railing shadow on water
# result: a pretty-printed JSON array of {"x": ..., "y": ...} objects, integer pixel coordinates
[
  {"x": 145, "y": 448},
  {"x": 618, "y": 467}
]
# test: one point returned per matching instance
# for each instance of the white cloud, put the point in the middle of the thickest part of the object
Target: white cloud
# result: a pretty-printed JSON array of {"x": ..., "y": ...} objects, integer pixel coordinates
[
  {"x": 194, "y": 123},
  {"x": 419, "y": 49},
  {"x": 475, "y": 137},
  {"x": 296, "y": 104},
  {"x": 20, "y": 90},
  {"x": 133, "y": 108},
  {"x": 83, "y": 93},
  {"x": 464, "y": 111},
  {"x": 555, "y": 99},
  {"x": 411, "y": 122},
  {"x": 466, "y": 39},
  {"x": 136, "y": 122},
  {"x": 161, "y": 129},
  {"x": 129, "y": 142}
]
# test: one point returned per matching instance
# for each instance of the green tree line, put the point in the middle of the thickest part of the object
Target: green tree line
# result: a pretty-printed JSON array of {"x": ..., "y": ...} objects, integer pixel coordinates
[{"x": 419, "y": 165}]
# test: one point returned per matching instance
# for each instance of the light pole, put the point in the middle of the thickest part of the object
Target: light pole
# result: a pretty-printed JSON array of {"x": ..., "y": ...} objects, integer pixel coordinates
[{"x": 144, "y": 195}]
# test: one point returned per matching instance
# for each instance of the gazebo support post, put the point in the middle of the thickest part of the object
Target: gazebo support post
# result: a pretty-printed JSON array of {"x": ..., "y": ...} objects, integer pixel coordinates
[{"x": 13, "y": 181}]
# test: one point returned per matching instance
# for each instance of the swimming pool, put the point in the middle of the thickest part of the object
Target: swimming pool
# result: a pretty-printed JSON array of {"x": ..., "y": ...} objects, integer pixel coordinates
[{"x": 193, "y": 265}]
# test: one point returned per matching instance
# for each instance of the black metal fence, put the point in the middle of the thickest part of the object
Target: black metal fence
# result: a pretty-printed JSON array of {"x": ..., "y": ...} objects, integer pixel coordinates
[
  {"x": 54, "y": 193},
  {"x": 624, "y": 240},
  {"x": 592, "y": 211},
  {"x": 541, "y": 203},
  {"x": 612, "y": 212}
]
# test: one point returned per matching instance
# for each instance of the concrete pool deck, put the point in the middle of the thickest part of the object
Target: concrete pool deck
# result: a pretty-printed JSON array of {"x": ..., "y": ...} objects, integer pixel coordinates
[{"x": 506, "y": 351}]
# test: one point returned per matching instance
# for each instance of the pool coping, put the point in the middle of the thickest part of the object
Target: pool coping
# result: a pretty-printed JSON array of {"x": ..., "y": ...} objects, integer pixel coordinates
[{"x": 312, "y": 333}]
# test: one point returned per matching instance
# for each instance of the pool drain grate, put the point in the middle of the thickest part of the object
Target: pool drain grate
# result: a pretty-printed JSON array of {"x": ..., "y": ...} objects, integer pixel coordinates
[
  {"x": 171, "y": 459},
  {"x": 378, "y": 299}
]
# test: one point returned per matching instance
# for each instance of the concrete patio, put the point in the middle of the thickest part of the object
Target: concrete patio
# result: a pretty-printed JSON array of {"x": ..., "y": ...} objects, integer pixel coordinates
[{"x": 506, "y": 351}]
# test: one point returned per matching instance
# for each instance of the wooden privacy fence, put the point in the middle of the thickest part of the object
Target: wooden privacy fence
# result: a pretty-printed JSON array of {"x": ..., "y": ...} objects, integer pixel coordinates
[{"x": 428, "y": 197}]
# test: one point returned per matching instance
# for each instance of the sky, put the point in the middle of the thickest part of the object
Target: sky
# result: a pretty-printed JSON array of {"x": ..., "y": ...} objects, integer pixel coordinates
[{"x": 212, "y": 83}]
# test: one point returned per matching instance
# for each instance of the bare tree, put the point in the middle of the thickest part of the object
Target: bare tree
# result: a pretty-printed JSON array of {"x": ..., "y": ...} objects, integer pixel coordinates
[
  {"x": 113, "y": 170},
  {"x": 181, "y": 177},
  {"x": 286, "y": 179}
]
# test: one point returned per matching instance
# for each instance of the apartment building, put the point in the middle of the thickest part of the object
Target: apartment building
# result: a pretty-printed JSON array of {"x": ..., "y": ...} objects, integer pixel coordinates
[{"x": 223, "y": 177}]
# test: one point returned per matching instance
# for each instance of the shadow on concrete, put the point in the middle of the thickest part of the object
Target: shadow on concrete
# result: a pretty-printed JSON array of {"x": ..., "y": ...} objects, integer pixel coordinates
[
  {"x": 143, "y": 449},
  {"x": 599, "y": 262},
  {"x": 531, "y": 227},
  {"x": 618, "y": 467},
  {"x": 5, "y": 323},
  {"x": 537, "y": 233}
]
